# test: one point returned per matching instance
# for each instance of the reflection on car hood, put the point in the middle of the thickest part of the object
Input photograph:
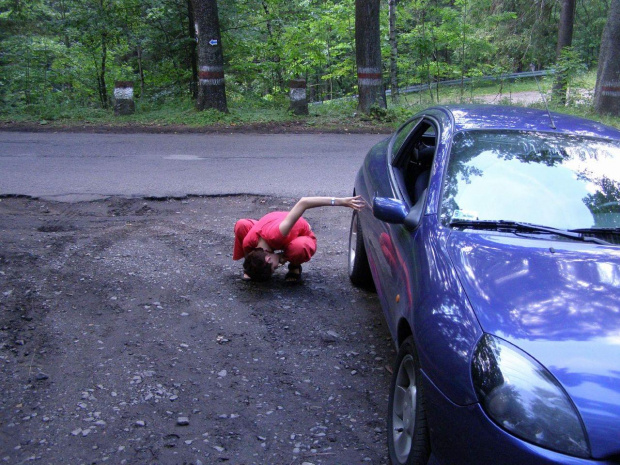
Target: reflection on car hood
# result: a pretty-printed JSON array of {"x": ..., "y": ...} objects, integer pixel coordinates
[{"x": 560, "y": 302}]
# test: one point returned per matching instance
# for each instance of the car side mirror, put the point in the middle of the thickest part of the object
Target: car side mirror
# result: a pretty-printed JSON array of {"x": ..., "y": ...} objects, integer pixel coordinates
[
  {"x": 389, "y": 210},
  {"x": 395, "y": 211}
]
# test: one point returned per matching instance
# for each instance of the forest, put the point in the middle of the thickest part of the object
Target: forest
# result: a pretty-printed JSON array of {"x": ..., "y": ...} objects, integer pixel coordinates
[{"x": 59, "y": 56}]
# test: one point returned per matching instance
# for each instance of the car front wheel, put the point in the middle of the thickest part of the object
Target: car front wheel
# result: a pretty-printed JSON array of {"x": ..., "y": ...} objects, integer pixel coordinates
[
  {"x": 408, "y": 441},
  {"x": 359, "y": 270}
]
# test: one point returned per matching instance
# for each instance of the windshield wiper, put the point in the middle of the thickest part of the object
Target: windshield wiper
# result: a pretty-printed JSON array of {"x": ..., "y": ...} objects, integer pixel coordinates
[
  {"x": 596, "y": 230},
  {"x": 516, "y": 226}
]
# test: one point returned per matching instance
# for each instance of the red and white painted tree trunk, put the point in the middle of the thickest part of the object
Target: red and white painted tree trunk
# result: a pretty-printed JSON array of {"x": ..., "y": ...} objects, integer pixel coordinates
[
  {"x": 211, "y": 86},
  {"x": 368, "y": 55}
]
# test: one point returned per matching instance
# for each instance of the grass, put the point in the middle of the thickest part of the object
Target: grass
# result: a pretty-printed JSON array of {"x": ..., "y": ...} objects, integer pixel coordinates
[{"x": 340, "y": 115}]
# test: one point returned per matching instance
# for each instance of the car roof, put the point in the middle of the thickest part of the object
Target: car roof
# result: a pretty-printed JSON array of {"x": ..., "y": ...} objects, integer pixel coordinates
[{"x": 468, "y": 117}]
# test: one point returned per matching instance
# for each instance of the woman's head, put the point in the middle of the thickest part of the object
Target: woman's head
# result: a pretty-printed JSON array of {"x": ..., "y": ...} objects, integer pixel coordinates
[{"x": 257, "y": 265}]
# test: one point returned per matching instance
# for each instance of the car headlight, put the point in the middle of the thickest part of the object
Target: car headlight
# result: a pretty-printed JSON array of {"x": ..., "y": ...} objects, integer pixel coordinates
[{"x": 522, "y": 397}]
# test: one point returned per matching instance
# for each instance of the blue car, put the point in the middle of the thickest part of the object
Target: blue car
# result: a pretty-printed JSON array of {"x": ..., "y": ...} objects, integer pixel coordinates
[{"x": 492, "y": 239}]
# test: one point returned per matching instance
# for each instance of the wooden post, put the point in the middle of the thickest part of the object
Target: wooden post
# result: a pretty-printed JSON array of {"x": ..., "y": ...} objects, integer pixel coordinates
[
  {"x": 123, "y": 98},
  {"x": 299, "y": 100}
]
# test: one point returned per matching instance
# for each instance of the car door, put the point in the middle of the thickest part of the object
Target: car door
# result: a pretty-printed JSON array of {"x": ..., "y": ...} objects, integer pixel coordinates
[
  {"x": 378, "y": 182},
  {"x": 402, "y": 249}
]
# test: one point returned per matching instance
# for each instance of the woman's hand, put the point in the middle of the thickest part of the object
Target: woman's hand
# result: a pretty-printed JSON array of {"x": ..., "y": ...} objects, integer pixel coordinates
[{"x": 356, "y": 203}]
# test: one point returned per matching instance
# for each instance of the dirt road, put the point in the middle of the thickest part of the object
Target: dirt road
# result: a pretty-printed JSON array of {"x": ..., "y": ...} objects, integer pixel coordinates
[{"x": 127, "y": 337}]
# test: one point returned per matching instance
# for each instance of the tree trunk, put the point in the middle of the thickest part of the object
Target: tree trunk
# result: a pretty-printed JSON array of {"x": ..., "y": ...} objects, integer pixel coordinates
[
  {"x": 368, "y": 55},
  {"x": 141, "y": 70},
  {"x": 211, "y": 89},
  {"x": 393, "y": 52},
  {"x": 193, "y": 85},
  {"x": 103, "y": 90},
  {"x": 463, "y": 39},
  {"x": 607, "y": 90},
  {"x": 565, "y": 39}
]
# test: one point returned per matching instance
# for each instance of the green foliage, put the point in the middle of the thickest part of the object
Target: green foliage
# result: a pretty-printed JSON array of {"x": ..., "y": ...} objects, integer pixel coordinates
[
  {"x": 269, "y": 42},
  {"x": 391, "y": 115},
  {"x": 570, "y": 63},
  {"x": 571, "y": 67},
  {"x": 60, "y": 58},
  {"x": 80, "y": 47},
  {"x": 590, "y": 19},
  {"x": 249, "y": 110}
]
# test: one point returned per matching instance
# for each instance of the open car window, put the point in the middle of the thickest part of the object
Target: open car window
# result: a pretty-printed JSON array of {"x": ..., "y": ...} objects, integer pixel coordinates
[
  {"x": 401, "y": 136},
  {"x": 412, "y": 164}
]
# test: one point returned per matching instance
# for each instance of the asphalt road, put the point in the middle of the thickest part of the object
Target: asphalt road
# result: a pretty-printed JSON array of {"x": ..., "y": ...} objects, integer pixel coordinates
[{"x": 75, "y": 167}]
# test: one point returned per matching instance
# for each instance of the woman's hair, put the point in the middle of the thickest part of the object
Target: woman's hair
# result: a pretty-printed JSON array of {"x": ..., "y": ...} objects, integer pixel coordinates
[{"x": 256, "y": 267}]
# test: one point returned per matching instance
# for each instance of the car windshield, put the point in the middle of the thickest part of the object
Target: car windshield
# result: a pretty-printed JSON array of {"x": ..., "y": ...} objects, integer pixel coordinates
[{"x": 566, "y": 182}]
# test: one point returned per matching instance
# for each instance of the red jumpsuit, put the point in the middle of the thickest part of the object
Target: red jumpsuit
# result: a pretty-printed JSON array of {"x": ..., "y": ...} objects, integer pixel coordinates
[{"x": 299, "y": 245}]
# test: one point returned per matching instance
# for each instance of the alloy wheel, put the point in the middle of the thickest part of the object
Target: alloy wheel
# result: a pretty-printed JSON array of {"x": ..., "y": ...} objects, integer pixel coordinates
[{"x": 404, "y": 409}]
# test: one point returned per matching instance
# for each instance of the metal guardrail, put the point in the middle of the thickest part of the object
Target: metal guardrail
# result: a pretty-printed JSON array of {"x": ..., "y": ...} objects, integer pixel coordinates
[
  {"x": 451, "y": 82},
  {"x": 458, "y": 82}
]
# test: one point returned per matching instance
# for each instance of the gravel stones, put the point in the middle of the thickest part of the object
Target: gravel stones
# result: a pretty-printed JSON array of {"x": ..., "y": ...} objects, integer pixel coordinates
[{"x": 153, "y": 347}]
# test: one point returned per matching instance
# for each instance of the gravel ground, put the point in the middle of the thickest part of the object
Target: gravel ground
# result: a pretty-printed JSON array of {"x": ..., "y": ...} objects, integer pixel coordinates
[{"x": 127, "y": 336}]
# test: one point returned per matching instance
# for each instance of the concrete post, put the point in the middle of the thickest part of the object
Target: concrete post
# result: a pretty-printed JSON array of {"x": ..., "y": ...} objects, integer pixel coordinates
[
  {"x": 123, "y": 98},
  {"x": 299, "y": 101}
]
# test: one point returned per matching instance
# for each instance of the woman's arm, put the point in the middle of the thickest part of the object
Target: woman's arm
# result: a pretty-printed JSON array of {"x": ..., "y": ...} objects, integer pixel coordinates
[{"x": 356, "y": 203}]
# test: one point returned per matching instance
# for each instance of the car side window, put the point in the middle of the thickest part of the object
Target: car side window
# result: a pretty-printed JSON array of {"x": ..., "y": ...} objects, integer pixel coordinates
[
  {"x": 412, "y": 167},
  {"x": 401, "y": 136}
]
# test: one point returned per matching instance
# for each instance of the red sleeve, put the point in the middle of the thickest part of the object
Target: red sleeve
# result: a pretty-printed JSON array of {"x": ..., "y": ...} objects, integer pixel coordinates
[{"x": 238, "y": 249}]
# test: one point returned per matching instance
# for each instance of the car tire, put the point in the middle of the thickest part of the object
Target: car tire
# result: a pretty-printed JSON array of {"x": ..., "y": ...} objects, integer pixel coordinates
[
  {"x": 359, "y": 270},
  {"x": 408, "y": 439}
]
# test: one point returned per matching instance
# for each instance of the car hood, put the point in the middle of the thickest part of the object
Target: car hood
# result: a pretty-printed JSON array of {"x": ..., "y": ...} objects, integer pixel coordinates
[{"x": 559, "y": 302}]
